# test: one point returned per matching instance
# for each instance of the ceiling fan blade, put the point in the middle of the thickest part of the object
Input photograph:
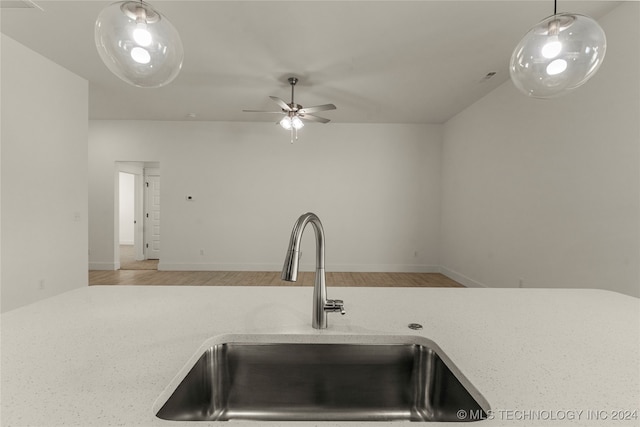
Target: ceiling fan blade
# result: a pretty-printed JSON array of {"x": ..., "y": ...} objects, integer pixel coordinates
[
  {"x": 262, "y": 111},
  {"x": 314, "y": 118},
  {"x": 281, "y": 103},
  {"x": 317, "y": 108}
]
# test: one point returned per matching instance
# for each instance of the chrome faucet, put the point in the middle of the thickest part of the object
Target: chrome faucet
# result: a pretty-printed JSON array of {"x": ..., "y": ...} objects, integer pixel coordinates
[{"x": 321, "y": 305}]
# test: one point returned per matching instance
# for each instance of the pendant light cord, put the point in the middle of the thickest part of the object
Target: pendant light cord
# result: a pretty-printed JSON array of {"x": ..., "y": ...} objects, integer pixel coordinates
[{"x": 555, "y": 7}]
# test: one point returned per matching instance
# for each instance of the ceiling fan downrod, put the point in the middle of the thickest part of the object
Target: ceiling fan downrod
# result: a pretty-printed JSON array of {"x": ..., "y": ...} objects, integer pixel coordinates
[{"x": 292, "y": 82}]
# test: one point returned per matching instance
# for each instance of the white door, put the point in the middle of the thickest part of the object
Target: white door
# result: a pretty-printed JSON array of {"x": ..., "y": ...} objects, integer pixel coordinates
[{"x": 152, "y": 217}]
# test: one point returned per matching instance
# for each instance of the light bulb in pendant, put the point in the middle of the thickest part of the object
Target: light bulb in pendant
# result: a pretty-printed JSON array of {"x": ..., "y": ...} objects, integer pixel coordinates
[
  {"x": 141, "y": 34},
  {"x": 552, "y": 48}
]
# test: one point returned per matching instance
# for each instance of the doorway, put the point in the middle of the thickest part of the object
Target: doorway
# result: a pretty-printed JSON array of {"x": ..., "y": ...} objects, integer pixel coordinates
[{"x": 137, "y": 231}]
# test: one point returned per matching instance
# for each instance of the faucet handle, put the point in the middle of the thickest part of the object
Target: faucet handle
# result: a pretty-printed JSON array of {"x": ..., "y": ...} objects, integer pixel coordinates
[{"x": 334, "y": 305}]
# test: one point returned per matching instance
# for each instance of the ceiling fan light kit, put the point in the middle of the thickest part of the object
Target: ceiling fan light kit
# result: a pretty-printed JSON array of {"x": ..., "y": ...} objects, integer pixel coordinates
[
  {"x": 558, "y": 55},
  {"x": 291, "y": 122},
  {"x": 138, "y": 44},
  {"x": 295, "y": 114}
]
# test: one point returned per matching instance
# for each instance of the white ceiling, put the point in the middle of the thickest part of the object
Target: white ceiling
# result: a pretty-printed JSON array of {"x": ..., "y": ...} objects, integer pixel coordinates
[{"x": 378, "y": 61}]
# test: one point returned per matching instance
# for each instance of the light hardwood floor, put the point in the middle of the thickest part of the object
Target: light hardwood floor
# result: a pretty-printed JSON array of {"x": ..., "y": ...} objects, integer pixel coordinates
[
  {"x": 265, "y": 278},
  {"x": 134, "y": 272}
]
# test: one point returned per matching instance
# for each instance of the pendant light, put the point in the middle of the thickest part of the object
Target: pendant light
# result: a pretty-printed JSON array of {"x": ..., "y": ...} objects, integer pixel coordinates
[
  {"x": 558, "y": 55},
  {"x": 138, "y": 44}
]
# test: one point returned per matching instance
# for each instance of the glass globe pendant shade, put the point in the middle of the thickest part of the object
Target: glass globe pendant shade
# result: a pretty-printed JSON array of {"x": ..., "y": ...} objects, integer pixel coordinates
[
  {"x": 558, "y": 55},
  {"x": 138, "y": 44}
]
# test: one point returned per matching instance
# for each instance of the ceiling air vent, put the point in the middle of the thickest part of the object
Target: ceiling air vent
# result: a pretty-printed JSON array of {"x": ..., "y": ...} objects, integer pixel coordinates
[{"x": 18, "y": 4}]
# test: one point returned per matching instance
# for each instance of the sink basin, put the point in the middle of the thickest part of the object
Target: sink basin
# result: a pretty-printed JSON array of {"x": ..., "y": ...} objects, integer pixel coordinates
[{"x": 293, "y": 381}]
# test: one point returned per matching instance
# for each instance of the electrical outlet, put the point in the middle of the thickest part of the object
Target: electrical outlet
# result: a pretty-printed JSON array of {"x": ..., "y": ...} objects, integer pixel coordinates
[
  {"x": 521, "y": 283},
  {"x": 201, "y": 251},
  {"x": 41, "y": 284}
]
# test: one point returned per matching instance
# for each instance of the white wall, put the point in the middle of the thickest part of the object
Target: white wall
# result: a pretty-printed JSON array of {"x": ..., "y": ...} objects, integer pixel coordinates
[
  {"x": 547, "y": 191},
  {"x": 126, "y": 208},
  {"x": 376, "y": 189},
  {"x": 44, "y": 177}
]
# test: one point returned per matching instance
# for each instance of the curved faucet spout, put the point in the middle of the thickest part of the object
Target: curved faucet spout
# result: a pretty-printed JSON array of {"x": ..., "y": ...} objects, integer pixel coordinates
[
  {"x": 321, "y": 305},
  {"x": 290, "y": 269}
]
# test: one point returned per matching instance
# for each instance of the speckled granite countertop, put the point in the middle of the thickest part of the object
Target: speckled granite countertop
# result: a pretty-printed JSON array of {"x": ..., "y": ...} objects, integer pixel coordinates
[{"x": 103, "y": 356}]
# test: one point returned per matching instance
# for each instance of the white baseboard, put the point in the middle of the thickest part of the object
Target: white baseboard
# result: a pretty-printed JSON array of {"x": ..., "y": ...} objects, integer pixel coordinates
[
  {"x": 461, "y": 278},
  {"x": 104, "y": 266}
]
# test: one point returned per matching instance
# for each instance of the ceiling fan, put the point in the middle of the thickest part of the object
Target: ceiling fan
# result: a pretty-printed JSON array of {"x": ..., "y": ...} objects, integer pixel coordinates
[{"x": 294, "y": 114}]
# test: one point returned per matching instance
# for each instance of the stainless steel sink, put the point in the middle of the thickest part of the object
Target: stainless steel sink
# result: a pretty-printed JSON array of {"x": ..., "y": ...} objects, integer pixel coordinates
[{"x": 323, "y": 382}]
